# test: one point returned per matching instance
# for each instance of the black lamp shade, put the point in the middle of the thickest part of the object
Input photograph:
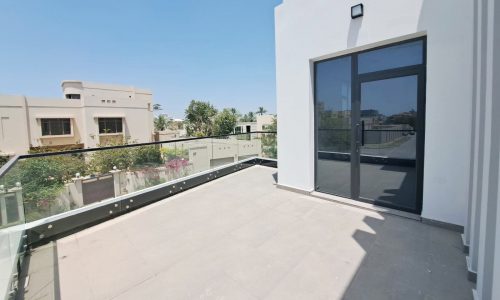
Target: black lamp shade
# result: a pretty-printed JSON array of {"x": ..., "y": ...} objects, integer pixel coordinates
[{"x": 357, "y": 11}]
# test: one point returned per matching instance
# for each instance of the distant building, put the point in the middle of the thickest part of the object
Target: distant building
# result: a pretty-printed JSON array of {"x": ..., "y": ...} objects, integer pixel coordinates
[
  {"x": 91, "y": 114},
  {"x": 262, "y": 123}
]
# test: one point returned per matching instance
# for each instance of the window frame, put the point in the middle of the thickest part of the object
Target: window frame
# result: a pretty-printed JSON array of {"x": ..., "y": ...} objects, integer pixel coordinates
[
  {"x": 73, "y": 96},
  {"x": 52, "y": 128},
  {"x": 116, "y": 122}
]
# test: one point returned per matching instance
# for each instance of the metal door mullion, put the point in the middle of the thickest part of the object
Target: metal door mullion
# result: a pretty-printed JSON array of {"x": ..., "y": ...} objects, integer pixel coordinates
[
  {"x": 355, "y": 119},
  {"x": 388, "y": 74}
]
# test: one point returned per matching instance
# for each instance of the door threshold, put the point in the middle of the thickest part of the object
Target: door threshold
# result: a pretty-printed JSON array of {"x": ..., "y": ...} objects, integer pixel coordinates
[{"x": 367, "y": 206}]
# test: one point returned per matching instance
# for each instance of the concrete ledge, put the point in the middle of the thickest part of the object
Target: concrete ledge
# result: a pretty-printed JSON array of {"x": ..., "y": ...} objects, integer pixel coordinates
[
  {"x": 465, "y": 246},
  {"x": 450, "y": 226},
  {"x": 293, "y": 189},
  {"x": 471, "y": 275},
  {"x": 364, "y": 205}
]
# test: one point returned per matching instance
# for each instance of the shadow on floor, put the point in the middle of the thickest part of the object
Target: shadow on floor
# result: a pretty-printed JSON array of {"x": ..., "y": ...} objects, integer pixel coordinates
[
  {"x": 409, "y": 260},
  {"x": 39, "y": 275}
]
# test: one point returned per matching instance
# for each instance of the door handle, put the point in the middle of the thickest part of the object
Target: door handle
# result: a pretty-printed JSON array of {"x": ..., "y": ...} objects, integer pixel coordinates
[
  {"x": 362, "y": 133},
  {"x": 358, "y": 132}
]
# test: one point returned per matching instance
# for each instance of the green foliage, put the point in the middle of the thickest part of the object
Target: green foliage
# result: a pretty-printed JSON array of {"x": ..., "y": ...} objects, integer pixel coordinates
[
  {"x": 250, "y": 117},
  {"x": 103, "y": 161},
  {"x": 199, "y": 118},
  {"x": 269, "y": 141},
  {"x": 161, "y": 123},
  {"x": 224, "y": 122},
  {"x": 334, "y": 133},
  {"x": 261, "y": 110},
  {"x": 173, "y": 153},
  {"x": 3, "y": 160},
  {"x": 147, "y": 155},
  {"x": 42, "y": 180}
]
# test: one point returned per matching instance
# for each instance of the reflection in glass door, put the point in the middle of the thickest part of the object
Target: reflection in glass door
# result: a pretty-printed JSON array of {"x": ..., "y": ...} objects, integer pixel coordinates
[
  {"x": 369, "y": 125},
  {"x": 388, "y": 141},
  {"x": 333, "y": 115}
]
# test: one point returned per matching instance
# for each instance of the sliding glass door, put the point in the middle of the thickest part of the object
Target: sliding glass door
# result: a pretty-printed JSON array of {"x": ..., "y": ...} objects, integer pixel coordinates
[{"x": 369, "y": 123}]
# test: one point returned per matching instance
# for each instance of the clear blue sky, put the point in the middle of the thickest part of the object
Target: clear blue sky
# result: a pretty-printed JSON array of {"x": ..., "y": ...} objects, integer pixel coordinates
[{"x": 220, "y": 51}]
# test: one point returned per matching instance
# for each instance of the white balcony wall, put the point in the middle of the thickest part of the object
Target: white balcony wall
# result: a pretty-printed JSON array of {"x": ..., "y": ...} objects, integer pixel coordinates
[{"x": 308, "y": 31}]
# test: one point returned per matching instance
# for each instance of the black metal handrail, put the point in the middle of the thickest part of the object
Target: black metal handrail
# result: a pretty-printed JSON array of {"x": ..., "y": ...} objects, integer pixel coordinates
[{"x": 13, "y": 160}]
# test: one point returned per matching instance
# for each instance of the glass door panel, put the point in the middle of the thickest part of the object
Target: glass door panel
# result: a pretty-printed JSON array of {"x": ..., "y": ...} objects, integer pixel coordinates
[
  {"x": 333, "y": 126},
  {"x": 388, "y": 141}
]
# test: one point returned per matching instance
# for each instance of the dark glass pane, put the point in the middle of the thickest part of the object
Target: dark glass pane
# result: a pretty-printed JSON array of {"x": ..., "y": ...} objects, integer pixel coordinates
[
  {"x": 333, "y": 125},
  {"x": 110, "y": 125},
  {"x": 119, "y": 125},
  {"x": 401, "y": 55},
  {"x": 55, "y": 127},
  {"x": 45, "y": 127},
  {"x": 67, "y": 126},
  {"x": 102, "y": 126},
  {"x": 388, "y": 155}
]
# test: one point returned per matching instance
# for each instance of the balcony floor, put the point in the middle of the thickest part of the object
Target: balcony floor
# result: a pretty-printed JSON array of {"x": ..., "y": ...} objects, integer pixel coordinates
[{"x": 240, "y": 237}]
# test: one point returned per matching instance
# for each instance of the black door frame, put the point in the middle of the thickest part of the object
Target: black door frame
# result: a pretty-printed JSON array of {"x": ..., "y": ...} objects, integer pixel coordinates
[{"x": 356, "y": 81}]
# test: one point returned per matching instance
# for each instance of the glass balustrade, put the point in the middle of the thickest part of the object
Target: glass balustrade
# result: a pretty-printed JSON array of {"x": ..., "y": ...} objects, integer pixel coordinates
[{"x": 44, "y": 185}]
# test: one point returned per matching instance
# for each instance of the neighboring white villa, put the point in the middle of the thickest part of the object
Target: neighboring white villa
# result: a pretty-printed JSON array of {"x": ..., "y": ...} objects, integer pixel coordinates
[
  {"x": 261, "y": 124},
  {"x": 91, "y": 114}
]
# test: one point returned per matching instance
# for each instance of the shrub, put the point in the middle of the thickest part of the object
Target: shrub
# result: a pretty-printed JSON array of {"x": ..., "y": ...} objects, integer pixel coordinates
[
  {"x": 147, "y": 155},
  {"x": 42, "y": 180},
  {"x": 173, "y": 153}
]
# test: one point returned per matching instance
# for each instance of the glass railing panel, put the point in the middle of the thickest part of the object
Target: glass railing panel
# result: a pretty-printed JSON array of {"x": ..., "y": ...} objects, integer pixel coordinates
[
  {"x": 191, "y": 157},
  {"x": 248, "y": 146},
  {"x": 269, "y": 144},
  {"x": 49, "y": 185},
  {"x": 12, "y": 230},
  {"x": 225, "y": 151},
  {"x": 42, "y": 184}
]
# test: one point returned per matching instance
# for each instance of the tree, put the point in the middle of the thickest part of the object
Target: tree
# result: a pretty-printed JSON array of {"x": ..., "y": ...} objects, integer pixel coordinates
[
  {"x": 157, "y": 106},
  {"x": 224, "y": 122},
  {"x": 199, "y": 118},
  {"x": 42, "y": 180},
  {"x": 161, "y": 123},
  {"x": 269, "y": 141},
  {"x": 235, "y": 112},
  {"x": 261, "y": 110},
  {"x": 250, "y": 117},
  {"x": 3, "y": 160}
]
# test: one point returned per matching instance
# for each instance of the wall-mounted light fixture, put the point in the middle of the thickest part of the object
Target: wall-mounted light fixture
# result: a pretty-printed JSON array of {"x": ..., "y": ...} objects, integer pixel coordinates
[{"x": 357, "y": 11}]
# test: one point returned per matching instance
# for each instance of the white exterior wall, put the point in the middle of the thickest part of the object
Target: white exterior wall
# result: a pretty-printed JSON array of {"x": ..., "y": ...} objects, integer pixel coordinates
[
  {"x": 312, "y": 30},
  {"x": 263, "y": 121},
  {"x": 39, "y": 108},
  {"x": 21, "y": 116},
  {"x": 13, "y": 125},
  {"x": 484, "y": 225}
]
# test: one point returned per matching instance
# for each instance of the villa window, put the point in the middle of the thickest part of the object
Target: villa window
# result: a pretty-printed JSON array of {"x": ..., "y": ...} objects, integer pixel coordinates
[
  {"x": 73, "y": 96},
  {"x": 56, "y": 127},
  {"x": 110, "y": 125}
]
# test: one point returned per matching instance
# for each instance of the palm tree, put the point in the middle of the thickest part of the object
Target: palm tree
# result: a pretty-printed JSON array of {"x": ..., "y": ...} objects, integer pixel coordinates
[
  {"x": 251, "y": 117},
  {"x": 157, "y": 106},
  {"x": 261, "y": 110},
  {"x": 161, "y": 123}
]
